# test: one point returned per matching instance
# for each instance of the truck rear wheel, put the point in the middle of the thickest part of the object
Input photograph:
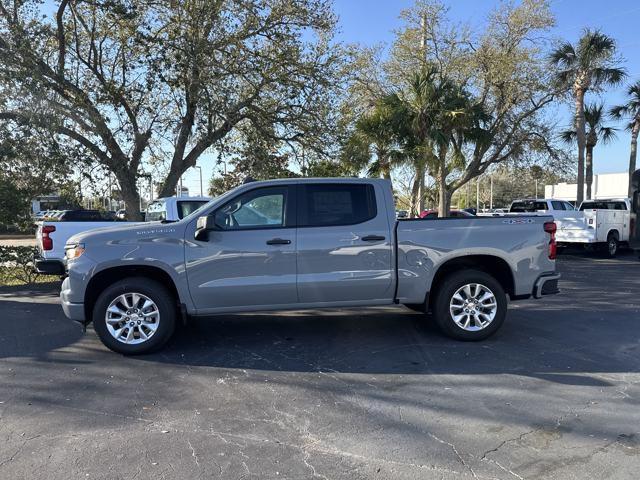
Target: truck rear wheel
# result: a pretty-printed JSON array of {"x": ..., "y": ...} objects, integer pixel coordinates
[
  {"x": 134, "y": 316},
  {"x": 610, "y": 249},
  {"x": 470, "y": 305}
]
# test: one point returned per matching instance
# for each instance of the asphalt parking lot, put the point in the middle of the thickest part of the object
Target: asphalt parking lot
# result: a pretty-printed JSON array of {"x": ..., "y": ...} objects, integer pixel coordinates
[{"x": 343, "y": 394}]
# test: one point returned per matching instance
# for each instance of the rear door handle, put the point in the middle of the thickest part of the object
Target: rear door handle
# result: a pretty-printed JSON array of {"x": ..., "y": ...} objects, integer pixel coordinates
[
  {"x": 278, "y": 241},
  {"x": 372, "y": 238}
]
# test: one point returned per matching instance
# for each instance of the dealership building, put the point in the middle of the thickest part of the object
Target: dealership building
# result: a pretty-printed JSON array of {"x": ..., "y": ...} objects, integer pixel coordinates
[{"x": 605, "y": 185}]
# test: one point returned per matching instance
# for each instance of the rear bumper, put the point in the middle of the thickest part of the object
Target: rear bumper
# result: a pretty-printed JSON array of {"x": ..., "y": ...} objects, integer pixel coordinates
[
  {"x": 73, "y": 311},
  {"x": 576, "y": 236},
  {"x": 546, "y": 285},
  {"x": 49, "y": 267}
]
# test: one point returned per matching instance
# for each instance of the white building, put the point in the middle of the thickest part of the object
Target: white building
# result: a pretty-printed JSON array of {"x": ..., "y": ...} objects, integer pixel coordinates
[{"x": 605, "y": 185}]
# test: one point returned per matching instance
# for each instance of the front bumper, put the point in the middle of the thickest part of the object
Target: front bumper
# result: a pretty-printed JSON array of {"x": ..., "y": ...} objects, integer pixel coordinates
[
  {"x": 546, "y": 285},
  {"x": 73, "y": 311}
]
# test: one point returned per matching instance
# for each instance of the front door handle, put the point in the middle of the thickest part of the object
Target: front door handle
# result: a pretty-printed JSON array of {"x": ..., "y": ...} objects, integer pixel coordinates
[
  {"x": 372, "y": 238},
  {"x": 278, "y": 241}
]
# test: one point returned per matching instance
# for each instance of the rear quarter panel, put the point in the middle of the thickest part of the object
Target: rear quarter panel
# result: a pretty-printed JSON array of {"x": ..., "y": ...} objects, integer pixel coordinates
[{"x": 426, "y": 245}]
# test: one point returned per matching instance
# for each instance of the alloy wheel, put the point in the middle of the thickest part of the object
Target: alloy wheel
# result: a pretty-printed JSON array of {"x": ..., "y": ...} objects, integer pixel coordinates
[
  {"x": 132, "y": 318},
  {"x": 473, "y": 307}
]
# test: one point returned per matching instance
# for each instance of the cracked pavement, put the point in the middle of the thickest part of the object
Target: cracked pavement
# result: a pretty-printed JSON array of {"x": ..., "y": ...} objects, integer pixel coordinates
[{"x": 339, "y": 394}]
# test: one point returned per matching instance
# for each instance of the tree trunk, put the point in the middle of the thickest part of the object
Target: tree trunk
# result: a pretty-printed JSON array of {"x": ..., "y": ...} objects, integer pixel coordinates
[
  {"x": 417, "y": 200},
  {"x": 632, "y": 157},
  {"x": 170, "y": 183},
  {"x": 130, "y": 195},
  {"x": 422, "y": 192},
  {"x": 444, "y": 197},
  {"x": 589, "y": 171},
  {"x": 581, "y": 137}
]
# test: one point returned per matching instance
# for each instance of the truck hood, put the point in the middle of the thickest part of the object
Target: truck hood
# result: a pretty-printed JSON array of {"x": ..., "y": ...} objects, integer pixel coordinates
[{"x": 129, "y": 233}]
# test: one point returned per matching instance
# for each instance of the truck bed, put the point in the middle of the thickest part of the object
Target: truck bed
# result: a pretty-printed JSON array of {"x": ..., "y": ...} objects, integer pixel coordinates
[{"x": 424, "y": 246}]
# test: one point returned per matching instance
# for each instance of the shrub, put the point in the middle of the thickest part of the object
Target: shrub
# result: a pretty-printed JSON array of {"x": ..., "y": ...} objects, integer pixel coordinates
[{"x": 16, "y": 265}]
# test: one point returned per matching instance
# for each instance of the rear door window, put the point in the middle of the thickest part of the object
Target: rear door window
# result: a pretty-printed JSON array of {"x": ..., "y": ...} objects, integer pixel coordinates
[
  {"x": 557, "y": 205},
  {"x": 335, "y": 204}
]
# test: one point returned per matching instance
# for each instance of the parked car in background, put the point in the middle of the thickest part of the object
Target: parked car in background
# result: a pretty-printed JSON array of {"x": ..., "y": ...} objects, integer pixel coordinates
[
  {"x": 541, "y": 205},
  {"x": 303, "y": 243},
  {"x": 602, "y": 223},
  {"x": 171, "y": 209},
  {"x": 431, "y": 214},
  {"x": 53, "y": 232}
]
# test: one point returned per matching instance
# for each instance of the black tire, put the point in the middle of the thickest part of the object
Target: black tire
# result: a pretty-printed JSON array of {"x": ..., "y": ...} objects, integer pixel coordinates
[
  {"x": 610, "y": 249},
  {"x": 155, "y": 291},
  {"x": 445, "y": 293}
]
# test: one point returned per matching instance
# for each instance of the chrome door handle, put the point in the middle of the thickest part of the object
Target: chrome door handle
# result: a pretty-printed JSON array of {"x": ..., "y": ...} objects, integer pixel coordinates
[
  {"x": 278, "y": 241},
  {"x": 372, "y": 238}
]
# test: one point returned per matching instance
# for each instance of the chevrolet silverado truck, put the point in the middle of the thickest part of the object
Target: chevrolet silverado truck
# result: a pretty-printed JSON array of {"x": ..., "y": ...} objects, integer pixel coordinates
[{"x": 304, "y": 244}]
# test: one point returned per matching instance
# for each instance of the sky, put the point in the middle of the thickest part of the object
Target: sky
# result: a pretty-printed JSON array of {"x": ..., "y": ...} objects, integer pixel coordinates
[{"x": 371, "y": 22}]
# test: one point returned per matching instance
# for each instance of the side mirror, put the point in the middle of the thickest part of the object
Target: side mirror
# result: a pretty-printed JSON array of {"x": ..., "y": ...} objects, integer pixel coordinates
[{"x": 203, "y": 225}]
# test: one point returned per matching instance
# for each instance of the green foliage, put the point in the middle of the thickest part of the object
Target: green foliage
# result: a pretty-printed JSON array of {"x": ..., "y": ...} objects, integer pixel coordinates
[
  {"x": 16, "y": 266},
  {"x": 591, "y": 65},
  {"x": 161, "y": 82},
  {"x": 470, "y": 101}
]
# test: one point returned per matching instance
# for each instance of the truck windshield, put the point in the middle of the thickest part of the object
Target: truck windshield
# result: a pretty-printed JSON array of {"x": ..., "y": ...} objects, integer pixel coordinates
[
  {"x": 523, "y": 206},
  {"x": 156, "y": 211}
]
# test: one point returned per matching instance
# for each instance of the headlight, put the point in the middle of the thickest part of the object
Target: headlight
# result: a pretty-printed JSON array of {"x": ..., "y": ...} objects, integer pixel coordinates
[{"x": 73, "y": 251}]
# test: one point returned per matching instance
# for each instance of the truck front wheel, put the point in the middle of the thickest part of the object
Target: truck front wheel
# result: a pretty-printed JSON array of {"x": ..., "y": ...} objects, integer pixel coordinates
[
  {"x": 134, "y": 316},
  {"x": 470, "y": 305}
]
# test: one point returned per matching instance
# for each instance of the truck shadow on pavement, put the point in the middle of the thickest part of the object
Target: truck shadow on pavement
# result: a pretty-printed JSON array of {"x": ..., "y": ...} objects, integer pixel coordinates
[{"x": 591, "y": 327}]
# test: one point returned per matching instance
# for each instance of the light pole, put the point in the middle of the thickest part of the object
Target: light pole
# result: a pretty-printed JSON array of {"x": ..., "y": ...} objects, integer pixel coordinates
[
  {"x": 200, "y": 170},
  {"x": 491, "y": 195}
]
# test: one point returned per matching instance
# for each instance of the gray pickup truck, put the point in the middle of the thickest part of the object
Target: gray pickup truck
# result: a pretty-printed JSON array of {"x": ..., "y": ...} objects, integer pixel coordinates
[{"x": 301, "y": 244}]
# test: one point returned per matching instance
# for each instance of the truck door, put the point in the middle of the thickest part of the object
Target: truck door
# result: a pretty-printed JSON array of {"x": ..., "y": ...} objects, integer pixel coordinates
[
  {"x": 344, "y": 244},
  {"x": 249, "y": 260}
]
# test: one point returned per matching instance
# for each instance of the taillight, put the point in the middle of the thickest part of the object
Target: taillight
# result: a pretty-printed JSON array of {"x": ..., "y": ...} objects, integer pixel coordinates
[
  {"x": 47, "y": 241},
  {"x": 550, "y": 228}
]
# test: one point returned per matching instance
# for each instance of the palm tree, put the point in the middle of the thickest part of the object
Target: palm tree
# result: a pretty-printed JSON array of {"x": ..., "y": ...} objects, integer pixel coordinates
[
  {"x": 372, "y": 145},
  {"x": 437, "y": 117},
  {"x": 594, "y": 116},
  {"x": 631, "y": 111},
  {"x": 590, "y": 65}
]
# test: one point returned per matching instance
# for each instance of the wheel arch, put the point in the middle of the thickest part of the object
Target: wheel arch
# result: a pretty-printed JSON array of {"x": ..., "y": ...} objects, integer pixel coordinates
[
  {"x": 613, "y": 231},
  {"x": 108, "y": 276},
  {"x": 492, "y": 265}
]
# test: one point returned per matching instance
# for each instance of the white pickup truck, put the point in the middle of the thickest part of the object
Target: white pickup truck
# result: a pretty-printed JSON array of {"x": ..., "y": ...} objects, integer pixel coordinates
[
  {"x": 52, "y": 235},
  {"x": 604, "y": 224},
  {"x": 544, "y": 206}
]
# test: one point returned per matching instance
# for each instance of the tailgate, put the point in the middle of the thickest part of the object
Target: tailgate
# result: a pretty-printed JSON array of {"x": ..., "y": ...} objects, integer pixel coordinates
[
  {"x": 576, "y": 228},
  {"x": 572, "y": 222}
]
